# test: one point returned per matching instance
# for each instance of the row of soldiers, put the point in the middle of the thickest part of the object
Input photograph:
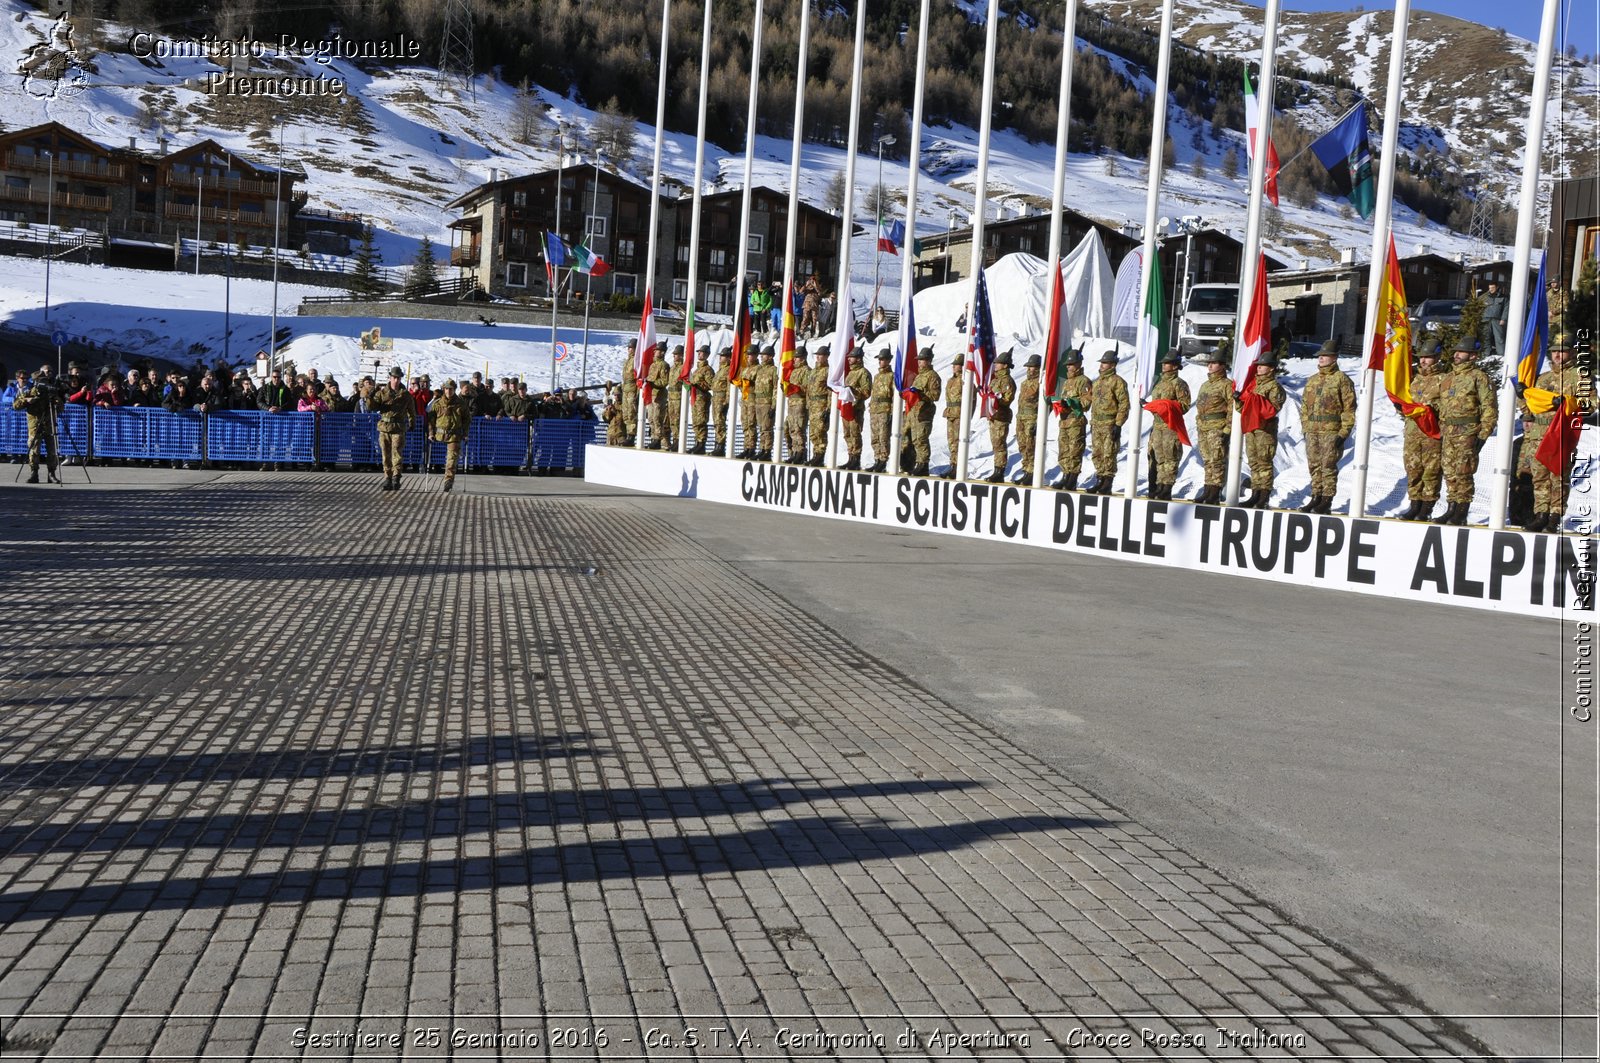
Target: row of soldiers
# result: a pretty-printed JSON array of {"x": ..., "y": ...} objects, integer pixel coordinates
[{"x": 1092, "y": 412}]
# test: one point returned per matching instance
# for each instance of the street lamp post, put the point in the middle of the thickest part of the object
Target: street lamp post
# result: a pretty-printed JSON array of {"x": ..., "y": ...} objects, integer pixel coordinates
[
  {"x": 949, "y": 231},
  {"x": 49, "y": 231},
  {"x": 877, "y": 252},
  {"x": 277, "y": 216},
  {"x": 588, "y": 284}
]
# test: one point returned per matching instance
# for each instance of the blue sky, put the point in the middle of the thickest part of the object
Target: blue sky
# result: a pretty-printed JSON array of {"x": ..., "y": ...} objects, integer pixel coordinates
[{"x": 1519, "y": 16}]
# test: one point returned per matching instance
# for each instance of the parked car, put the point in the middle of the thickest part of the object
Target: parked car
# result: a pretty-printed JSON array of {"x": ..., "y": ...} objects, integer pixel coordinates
[
  {"x": 1208, "y": 317},
  {"x": 1431, "y": 315},
  {"x": 1303, "y": 349}
]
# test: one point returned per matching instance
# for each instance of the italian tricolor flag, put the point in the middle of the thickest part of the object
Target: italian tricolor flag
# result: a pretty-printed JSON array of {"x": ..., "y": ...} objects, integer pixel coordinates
[
  {"x": 1152, "y": 343},
  {"x": 1252, "y": 121}
]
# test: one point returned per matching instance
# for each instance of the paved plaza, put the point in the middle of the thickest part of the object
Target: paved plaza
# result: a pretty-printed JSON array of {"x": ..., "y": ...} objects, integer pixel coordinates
[{"x": 295, "y": 768}]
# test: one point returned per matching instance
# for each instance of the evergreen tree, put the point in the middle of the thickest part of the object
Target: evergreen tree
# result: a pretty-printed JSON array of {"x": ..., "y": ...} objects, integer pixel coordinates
[
  {"x": 365, "y": 282},
  {"x": 424, "y": 275},
  {"x": 1230, "y": 164},
  {"x": 833, "y": 193}
]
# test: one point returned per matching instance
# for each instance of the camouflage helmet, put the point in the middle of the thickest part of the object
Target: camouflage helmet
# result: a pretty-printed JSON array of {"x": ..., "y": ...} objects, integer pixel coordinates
[{"x": 450, "y": 385}]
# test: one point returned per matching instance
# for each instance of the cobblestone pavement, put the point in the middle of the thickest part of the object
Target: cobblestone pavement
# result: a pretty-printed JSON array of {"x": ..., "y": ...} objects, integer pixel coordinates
[{"x": 292, "y": 767}]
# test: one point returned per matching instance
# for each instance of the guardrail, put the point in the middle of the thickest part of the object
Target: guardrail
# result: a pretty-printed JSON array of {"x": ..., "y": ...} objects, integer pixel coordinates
[{"x": 253, "y": 437}]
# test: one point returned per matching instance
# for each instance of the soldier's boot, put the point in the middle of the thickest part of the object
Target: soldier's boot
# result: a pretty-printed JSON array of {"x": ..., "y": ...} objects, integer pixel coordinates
[
  {"x": 1553, "y": 522},
  {"x": 1421, "y": 510},
  {"x": 948, "y": 474},
  {"x": 1410, "y": 512},
  {"x": 1313, "y": 506},
  {"x": 998, "y": 476},
  {"x": 1326, "y": 505},
  {"x": 1104, "y": 486},
  {"x": 397, "y": 481},
  {"x": 819, "y": 460},
  {"x": 53, "y": 476},
  {"x": 1093, "y": 485},
  {"x": 449, "y": 485},
  {"x": 33, "y": 475},
  {"x": 1535, "y": 522},
  {"x": 1448, "y": 516},
  {"x": 1461, "y": 517},
  {"x": 1215, "y": 498},
  {"x": 1069, "y": 482},
  {"x": 879, "y": 466},
  {"x": 853, "y": 465}
]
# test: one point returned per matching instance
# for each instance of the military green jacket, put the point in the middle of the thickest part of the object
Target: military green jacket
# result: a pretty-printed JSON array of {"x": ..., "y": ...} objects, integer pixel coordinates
[
  {"x": 1328, "y": 403},
  {"x": 764, "y": 384},
  {"x": 1110, "y": 398},
  {"x": 1270, "y": 389},
  {"x": 1172, "y": 387},
  {"x": 859, "y": 381},
  {"x": 397, "y": 409},
  {"x": 450, "y": 418},
  {"x": 817, "y": 390},
  {"x": 1213, "y": 405},
  {"x": 883, "y": 391},
  {"x": 1466, "y": 399},
  {"x": 927, "y": 385},
  {"x": 1069, "y": 390},
  {"x": 1028, "y": 401},
  {"x": 1004, "y": 388},
  {"x": 953, "y": 387}
]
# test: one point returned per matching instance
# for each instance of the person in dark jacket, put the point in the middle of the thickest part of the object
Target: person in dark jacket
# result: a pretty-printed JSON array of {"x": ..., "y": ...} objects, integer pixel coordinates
[{"x": 275, "y": 396}]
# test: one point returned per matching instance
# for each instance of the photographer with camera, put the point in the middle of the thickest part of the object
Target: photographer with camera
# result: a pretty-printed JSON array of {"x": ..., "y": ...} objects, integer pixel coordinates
[{"x": 42, "y": 401}]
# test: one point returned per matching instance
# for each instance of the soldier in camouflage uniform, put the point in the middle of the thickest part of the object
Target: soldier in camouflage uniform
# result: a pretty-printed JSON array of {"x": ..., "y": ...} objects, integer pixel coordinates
[
  {"x": 721, "y": 389},
  {"x": 860, "y": 384},
  {"x": 701, "y": 381},
  {"x": 1422, "y": 451},
  {"x": 763, "y": 402},
  {"x": 397, "y": 410},
  {"x": 450, "y": 418},
  {"x": 1072, "y": 401},
  {"x": 1108, "y": 412},
  {"x": 881, "y": 407},
  {"x": 747, "y": 406},
  {"x": 616, "y": 430},
  {"x": 1328, "y": 413},
  {"x": 1561, "y": 379},
  {"x": 1213, "y": 418},
  {"x": 919, "y": 419},
  {"x": 953, "y": 388},
  {"x": 819, "y": 403},
  {"x": 41, "y": 400},
  {"x": 1004, "y": 388},
  {"x": 1028, "y": 416},
  {"x": 1166, "y": 450},
  {"x": 1468, "y": 415},
  {"x": 794, "y": 418},
  {"x": 629, "y": 399},
  {"x": 1261, "y": 445},
  {"x": 674, "y": 398},
  {"x": 659, "y": 378}
]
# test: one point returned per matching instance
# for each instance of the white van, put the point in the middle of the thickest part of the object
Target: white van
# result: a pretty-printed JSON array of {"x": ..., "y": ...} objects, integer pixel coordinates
[{"x": 1208, "y": 317}]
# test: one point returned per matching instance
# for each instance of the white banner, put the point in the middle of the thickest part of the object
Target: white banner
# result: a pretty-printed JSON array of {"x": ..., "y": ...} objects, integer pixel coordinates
[{"x": 1533, "y": 574}]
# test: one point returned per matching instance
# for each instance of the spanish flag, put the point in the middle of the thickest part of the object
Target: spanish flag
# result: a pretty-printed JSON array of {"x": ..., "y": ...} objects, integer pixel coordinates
[
  {"x": 1391, "y": 347},
  {"x": 786, "y": 344}
]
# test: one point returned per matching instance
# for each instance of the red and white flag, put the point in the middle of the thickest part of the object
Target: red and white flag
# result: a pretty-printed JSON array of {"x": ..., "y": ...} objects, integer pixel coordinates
[
  {"x": 1257, "y": 330},
  {"x": 1252, "y": 121},
  {"x": 644, "y": 351}
]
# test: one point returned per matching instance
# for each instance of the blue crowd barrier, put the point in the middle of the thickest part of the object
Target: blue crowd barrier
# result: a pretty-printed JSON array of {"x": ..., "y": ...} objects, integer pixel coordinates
[
  {"x": 497, "y": 444},
  {"x": 72, "y": 430},
  {"x": 348, "y": 439},
  {"x": 139, "y": 432},
  {"x": 258, "y": 436},
  {"x": 13, "y": 432},
  {"x": 559, "y": 444}
]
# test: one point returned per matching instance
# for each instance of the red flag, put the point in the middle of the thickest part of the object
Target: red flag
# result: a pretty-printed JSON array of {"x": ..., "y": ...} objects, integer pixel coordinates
[
  {"x": 1170, "y": 411},
  {"x": 742, "y": 331},
  {"x": 1391, "y": 348},
  {"x": 644, "y": 351},
  {"x": 1255, "y": 410},
  {"x": 1053, "y": 338},
  {"x": 1561, "y": 439}
]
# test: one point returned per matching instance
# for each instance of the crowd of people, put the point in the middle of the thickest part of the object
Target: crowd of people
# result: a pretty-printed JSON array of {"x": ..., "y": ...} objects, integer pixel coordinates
[
  {"x": 200, "y": 390},
  {"x": 815, "y": 308}
]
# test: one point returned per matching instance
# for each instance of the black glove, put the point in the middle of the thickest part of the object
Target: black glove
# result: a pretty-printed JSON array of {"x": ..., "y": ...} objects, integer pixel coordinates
[{"x": 1342, "y": 441}]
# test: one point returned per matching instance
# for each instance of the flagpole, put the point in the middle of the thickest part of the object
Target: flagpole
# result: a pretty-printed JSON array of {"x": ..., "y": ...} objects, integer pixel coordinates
[
  {"x": 751, "y": 117},
  {"x": 694, "y": 229},
  {"x": 555, "y": 277},
  {"x": 1252, "y": 262},
  {"x": 655, "y": 209},
  {"x": 913, "y": 166},
  {"x": 1380, "y": 249},
  {"x": 588, "y": 284},
  {"x": 1152, "y": 202},
  {"x": 1521, "y": 260},
  {"x": 792, "y": 228},
  {"x": 1069, "y": 51},
  {"x": 979, "y": 216},
  {"x": 842, "y": 344}
]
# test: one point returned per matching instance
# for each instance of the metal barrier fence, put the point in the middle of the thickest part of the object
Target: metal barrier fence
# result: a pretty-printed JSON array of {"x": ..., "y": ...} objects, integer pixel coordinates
[{"x": 329, "y": 439}]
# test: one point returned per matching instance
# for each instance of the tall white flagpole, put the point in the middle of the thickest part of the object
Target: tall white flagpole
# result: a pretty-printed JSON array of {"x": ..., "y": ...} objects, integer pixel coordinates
[
  {"x": 839, "y": 348},
  {"x": 655, "y": 200},
  {"x": 792, "y": 229},
  {"x": 1521, "y": 260},
  {"x": 979, "y": 215},
  {"x": 1152, "y": 207},
  {"x": 1380, "y": 248},
  {"x": 694, "y": 226},
  {"x": 1252, "y": 263},
  {"x": 1069, "y": 51},
  {"x": 907, "y": 267},
  {"x": 555, "y": 275},
  {"x": 744, "y": 226}
]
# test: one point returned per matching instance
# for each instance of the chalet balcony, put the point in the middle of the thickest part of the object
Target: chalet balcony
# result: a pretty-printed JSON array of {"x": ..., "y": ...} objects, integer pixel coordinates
[
  {"x": 64, "y": 200},
  {"x": 107, "y": 171},
  {"x": 214, "y": 184},
  {"x": 220, "y": 215},
  {"x": 465, "y": 256}
]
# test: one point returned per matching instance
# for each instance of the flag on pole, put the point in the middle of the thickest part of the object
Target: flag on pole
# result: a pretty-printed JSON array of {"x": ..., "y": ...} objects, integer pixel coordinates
[
  {"x": 905, "y": 354},
  {"x": 1055, "y": 343},
  {"x": 1152, "y": 341},
  {"x": 839, "y": 359},
  {"x": 687, "y": 364},
  {"x": 786, "y": 343},
  {"x": 1252, "y": 121},
  {"x": 981, "y": 351},
  {"x": 589, "y": 263},
  {"x": 1560, "y": 440},
  {"x": 1535, "y": 345},
  {"x": 743, "y": 330},
  {"x": 1391, "y": 347},
  {"x": 1257, "y": 330},
  {"x": 644, "y": 351},
  {"x": 891, "y": 235},
  {"x": 1344, "y": 151}
]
